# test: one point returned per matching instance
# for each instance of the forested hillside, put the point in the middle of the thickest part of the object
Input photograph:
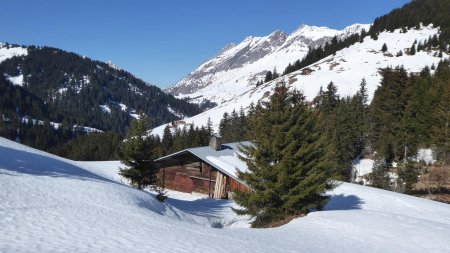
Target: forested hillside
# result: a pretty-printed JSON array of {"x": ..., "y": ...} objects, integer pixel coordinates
[
  {"x": 88, "y": 92},
  {"x": 55, "y": 92},
  {"x": 411, "y": 15}
]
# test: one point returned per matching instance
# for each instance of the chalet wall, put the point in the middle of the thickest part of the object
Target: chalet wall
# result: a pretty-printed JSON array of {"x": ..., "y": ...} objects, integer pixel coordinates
[
  {"x": 189, "y": 178},
  {"x": 201, "y": 178},
  {"x": 236, "y": 186}
]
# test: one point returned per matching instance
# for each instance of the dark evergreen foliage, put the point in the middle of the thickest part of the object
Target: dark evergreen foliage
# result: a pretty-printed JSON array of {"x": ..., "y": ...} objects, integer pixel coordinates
[
  {"x": 77, "y": 86},
  {"x": 91, "y": 147},
  {"x": 411, "y": 111},
  {"x": 315, "y": 54},
  {"x": 384, "y": 48},
  {"x": 290, "y": 167},
  {"x": 410, "y": 15},
  {"x": 412, "y": 50},
  {"x": 137, "y": 153},
  {"x": 408, "y": 174},
  {"x": 380, "y": 176},
  {"x": 184, "y": 138},
  {"x": 344, "y": 121},
  {"x": 269, "y": 77},
  {"x": 234, "y": 127},
  {"x": 427, "y": 12}
]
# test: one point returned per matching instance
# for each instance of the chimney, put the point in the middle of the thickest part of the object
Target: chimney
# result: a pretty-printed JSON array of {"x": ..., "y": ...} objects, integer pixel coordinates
[{"x": 215, "y": 141}]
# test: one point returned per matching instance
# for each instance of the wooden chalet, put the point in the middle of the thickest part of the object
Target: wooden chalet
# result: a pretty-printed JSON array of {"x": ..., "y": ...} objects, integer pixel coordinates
[
  {"x": 210, "y": 170},
  {"x": 307, "y": 71}
]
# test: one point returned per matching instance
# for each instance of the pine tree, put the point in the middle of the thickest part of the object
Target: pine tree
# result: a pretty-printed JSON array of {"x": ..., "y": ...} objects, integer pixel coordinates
[
  {"x": 412, "y": 50},
  {"x": 360, "y": 107},
  {"x": 225, "y": 127},
  {"x": 318, "y": 100},
  {"x": 289, "y": 164},
  {"x": 374, "y": 36},
  {"x": 167, "y": 140},
  {"x": 388, "y": 110},
  {"x": 137, "y": 154},
  {"x": 384, "y": 48},
  {"x": 330, "y": 99},
  {"x": 408, "y": 176},
  {"x": 441, "y": 124},
  {"x": 209, "y": 127},
  {"x": 380, "y": 176},
  {"x": 275, "y": 74},
  {"x": 344, "y": 135},
  {"x": 268, "y": 77}
]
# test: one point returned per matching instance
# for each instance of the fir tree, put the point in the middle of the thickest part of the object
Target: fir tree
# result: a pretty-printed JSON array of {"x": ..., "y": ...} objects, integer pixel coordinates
[
  {"x": 345, "y": 136},
  {"x": 441, "y": 123},
  {"x": 268, "y": 77},
  {"x": 275, "y": 74},
  {"x": 374, "y": 36},
  {"x": 412, "y": 50},
  {"x": 209, "y": 127},
  {"x": 408, "y": 176},
  {"x": 380, "y": 176},
  {"x": 384, "y": 48},
  {"x": 167, "y": 140},
  {"x": 137, "y": 153},
  {"x": 290, "y": 168},
  {"x": 360, "y": 107},
  {"x": 330, "y": 99}
]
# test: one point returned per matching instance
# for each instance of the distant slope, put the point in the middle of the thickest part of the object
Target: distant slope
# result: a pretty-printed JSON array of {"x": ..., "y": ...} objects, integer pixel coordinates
[
  {"x": 50, "y": 204},
  {"x": 346, "y": 69},
  {"x": 238, "y": 67},
  {"x": 81, "y": 91}
]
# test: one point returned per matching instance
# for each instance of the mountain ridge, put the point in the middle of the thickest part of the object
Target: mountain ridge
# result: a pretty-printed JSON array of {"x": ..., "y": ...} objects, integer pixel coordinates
[
  {"x": 251, "y": 51},
  {"x": 346, "y": 68},
  {"x": 82, "y": 91}
]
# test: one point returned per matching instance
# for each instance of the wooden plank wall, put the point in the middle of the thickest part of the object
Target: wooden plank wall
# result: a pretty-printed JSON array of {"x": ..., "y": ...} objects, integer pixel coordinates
[
  {"x": 195, "y": 177},
  {"x": 189, "y": 178},
  {"x": 236, "y": 186}
]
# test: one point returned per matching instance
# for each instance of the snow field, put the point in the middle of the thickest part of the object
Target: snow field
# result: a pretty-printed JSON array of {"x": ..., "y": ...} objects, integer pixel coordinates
[{"x": 51, "y": 204}]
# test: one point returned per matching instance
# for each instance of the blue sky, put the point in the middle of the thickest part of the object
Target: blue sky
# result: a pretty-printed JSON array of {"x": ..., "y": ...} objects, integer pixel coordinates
[{"x": 162, "y": 41}]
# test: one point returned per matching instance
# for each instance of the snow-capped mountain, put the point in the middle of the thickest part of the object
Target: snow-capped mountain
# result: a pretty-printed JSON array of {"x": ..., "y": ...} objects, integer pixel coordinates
[
  {"x": 238, "y": 67},
  {"x": 346, "y": 69}
]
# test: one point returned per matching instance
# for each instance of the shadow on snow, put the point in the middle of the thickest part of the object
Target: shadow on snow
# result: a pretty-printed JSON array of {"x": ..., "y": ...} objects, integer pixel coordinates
[
  {"x": 201, "y": 207},
  {"x": 24, "y": 162},
  {"x": 343, "y": 202}
]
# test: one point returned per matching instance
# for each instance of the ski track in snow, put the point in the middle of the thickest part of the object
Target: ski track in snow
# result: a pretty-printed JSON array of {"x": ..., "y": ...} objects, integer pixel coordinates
[{"x": 51, "y": 204}]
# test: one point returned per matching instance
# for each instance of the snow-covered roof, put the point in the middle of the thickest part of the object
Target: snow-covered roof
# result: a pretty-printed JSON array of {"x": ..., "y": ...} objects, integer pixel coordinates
[{"x": 225, "y": 160}]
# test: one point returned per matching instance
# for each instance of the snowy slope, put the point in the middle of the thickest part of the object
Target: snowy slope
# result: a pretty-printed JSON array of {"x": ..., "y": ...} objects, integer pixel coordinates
[
  {"x": 7, "y": 52},
  {"x": 50, "y": 204},
  {"x": 346, "y": 69},
  {"x": 239, "y": 66}
]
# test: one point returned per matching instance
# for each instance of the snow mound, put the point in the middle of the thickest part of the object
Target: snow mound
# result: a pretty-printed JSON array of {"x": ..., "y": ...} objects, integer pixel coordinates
[{"x": 51, "y": 204}]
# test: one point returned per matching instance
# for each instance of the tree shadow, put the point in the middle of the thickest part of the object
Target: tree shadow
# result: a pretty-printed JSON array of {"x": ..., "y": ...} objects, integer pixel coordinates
[
  {"x": 200, "y": 207},
  {"x": 343, "y": 202},
  {"x": 24, "y": 162}
]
